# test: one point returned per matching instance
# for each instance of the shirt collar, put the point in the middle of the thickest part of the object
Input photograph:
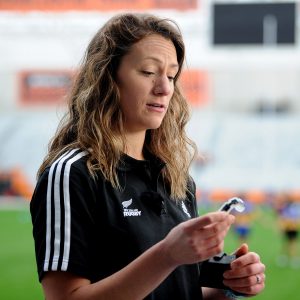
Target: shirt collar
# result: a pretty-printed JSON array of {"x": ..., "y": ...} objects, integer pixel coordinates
[{"x": 127, "y": 163}]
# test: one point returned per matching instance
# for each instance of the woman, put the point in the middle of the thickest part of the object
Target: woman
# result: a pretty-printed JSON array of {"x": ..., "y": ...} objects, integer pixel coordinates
[{"x": 114, "y": 214}]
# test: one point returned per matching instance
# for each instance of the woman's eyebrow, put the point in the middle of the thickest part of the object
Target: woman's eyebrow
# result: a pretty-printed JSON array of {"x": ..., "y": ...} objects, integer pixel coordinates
[{"x": 174, "y": 65}]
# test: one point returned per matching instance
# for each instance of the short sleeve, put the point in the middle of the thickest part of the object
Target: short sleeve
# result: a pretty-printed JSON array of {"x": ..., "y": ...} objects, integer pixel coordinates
[{"x": 62, "y": 216}]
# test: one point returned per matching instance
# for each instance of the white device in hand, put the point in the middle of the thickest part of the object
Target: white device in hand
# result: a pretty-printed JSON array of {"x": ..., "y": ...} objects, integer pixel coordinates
[{"x": 233, "y": 203}]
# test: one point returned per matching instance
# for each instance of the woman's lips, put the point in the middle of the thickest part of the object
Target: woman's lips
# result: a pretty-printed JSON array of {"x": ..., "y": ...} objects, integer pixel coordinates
[{"x": 156, "y": 107}]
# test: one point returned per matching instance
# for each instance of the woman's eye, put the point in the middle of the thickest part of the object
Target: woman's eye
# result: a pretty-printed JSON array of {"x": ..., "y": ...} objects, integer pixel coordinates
[
  {"x": 171, "y": 78},
  {"x": 147, "y": 73}
]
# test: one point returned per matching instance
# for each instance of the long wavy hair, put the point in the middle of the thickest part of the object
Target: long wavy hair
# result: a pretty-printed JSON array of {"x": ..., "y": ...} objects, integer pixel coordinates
[{"x": 94, "y": 120}]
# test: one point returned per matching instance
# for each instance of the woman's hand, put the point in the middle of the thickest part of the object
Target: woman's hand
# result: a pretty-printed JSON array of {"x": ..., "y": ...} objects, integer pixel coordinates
[
  {"x": 197, "y": 239},
  {"x": 247, "y": 274}
]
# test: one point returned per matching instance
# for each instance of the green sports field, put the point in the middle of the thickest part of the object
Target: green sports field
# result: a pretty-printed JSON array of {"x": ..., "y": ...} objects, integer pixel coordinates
[{"x": 18, "y": 278}]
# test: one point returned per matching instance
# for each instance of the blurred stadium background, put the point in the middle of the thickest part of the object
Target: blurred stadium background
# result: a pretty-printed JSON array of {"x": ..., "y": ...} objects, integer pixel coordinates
[{"x": 242, "y": 79}]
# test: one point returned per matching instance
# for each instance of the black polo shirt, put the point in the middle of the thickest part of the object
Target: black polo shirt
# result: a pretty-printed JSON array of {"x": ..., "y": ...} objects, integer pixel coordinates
[{"x": 84, "y": 226}]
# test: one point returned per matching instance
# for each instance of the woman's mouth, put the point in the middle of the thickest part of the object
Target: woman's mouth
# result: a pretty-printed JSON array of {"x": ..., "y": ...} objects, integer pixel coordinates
[{"x": 156, "y": 107}]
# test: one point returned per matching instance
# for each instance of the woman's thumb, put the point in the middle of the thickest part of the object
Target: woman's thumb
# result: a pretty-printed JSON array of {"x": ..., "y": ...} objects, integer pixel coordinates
[{"x": 243, "y": 249}]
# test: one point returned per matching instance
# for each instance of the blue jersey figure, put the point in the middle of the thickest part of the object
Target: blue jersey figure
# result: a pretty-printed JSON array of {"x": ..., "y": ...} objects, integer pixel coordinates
[{"x": 243, "y": 222}]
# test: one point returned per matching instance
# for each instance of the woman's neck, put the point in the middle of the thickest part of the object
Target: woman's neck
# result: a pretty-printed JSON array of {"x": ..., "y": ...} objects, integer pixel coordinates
[{"x": 135, "y": 145}]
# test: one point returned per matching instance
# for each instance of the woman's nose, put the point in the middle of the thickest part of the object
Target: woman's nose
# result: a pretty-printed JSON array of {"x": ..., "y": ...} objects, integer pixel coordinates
[{"x": 163, "y": 86}]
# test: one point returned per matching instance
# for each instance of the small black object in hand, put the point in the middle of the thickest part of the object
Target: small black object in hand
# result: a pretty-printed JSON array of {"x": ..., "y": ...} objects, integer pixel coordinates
[{"x": 211, "y": 272}]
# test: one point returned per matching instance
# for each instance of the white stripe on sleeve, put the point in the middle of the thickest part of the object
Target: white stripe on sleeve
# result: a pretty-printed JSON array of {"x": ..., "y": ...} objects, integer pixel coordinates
[
  {"x": 57, "y": 211},
  {"x": 66, "y": 184},
  {"x": 48, "y": 213},
  {"x": 48, "y": 207}
]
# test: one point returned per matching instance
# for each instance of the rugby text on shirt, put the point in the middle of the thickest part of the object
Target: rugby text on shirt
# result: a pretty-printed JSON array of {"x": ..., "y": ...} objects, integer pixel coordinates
[{"x": 130, "y": 212}]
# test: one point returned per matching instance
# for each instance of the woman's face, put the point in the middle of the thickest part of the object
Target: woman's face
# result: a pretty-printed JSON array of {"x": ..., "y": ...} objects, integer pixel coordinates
[{"x": 146, "y": 82}]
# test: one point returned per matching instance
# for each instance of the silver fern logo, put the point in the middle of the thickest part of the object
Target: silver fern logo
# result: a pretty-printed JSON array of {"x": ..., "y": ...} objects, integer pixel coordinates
[
  {"x": 130, "y": 212},
  {"x": 127, "y": 203}
]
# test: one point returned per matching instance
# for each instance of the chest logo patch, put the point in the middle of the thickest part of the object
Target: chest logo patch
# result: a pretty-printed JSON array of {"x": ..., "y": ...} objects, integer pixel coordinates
[{"x": 130, "y": 212}]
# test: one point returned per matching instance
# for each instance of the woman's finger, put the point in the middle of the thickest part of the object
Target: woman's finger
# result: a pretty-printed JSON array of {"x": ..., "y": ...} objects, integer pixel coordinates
[{"x": 208, "y": 219}]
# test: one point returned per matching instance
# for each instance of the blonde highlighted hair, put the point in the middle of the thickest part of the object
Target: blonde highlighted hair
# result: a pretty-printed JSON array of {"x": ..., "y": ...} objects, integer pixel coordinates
[{"x": 94, "y": 121}]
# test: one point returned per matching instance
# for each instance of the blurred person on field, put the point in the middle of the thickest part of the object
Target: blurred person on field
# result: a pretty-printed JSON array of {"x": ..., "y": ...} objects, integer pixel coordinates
[
  {"x": 288, "y": 214},
  {"x": 114, "y": 211},
  {"x": 243, "y": 224}
]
